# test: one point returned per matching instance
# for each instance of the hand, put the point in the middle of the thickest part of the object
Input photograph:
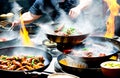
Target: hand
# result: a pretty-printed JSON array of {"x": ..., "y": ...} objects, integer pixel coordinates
[
  {"x": 74, "y": 12},
  {"x": 15, "y": 23}
]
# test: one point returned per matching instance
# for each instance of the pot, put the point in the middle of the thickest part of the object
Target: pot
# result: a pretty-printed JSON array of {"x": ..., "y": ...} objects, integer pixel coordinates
[
  {"x": 29, "y": 51},
  {"x": 93, "y": 63}
]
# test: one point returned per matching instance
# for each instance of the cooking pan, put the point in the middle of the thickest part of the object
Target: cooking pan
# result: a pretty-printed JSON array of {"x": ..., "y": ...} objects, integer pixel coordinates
[
  {"x": 29, "y": 51},
  {"x": 73, "y": 40},
  {"x": 8, "y": 38},
  {"x": 93, "y": 63},
  {"x": 61, "y": 39},
  {"x": 81, "y": 72}
]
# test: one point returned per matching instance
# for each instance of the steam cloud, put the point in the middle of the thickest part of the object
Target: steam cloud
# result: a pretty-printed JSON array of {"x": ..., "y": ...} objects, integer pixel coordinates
[
  {"x": 91, "y": 20},
  {"x": 16, "y": 8}
]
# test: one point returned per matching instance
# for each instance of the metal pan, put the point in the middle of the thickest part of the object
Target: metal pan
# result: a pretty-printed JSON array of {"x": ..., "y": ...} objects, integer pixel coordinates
[
  {"x": 31, "y": 51},
  {"x": 62, "y": 39},
  {"x": 73, "y": 40},
  {"x": 10, "y": 37},
  {"x": 93, "y": 62}
]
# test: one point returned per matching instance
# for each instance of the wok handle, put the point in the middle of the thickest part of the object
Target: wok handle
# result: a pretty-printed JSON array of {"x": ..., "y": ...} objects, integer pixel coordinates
[{"x": 36, "y": 73}]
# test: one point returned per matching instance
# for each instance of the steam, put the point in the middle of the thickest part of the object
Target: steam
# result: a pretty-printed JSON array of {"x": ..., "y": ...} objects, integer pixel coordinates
[
  {"x": 79, "y": 23},
  {"x": 16, "y": 9},
  {"x": 96, "y": 47},
  {"x": 91, "y": 19}
]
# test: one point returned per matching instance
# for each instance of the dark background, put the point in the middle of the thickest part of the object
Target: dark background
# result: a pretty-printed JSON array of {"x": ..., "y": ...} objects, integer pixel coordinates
[{"x": 5, "y": 5}]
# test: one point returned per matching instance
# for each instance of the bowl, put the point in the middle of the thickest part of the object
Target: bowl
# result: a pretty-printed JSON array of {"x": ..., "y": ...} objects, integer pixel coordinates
[
  {"x": 49, "y": 44},
  {"x": 111, "y": 69},
  {"x": 32, "y": 28}
]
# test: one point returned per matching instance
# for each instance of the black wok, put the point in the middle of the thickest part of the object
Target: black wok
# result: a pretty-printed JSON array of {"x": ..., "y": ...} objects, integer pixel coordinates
[
  {"x": 92, "y": 62},
  {"x": 81, "y": 72},
  {"x": 12, "y": 51},
  {"x": 61, "y": 39},
  {"x": 9, "y": 36},
  {"x": 74, "y": 39}
]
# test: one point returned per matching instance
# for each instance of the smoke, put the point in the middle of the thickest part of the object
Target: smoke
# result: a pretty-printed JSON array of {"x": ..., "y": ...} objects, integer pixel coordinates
[
  {"x": 79, "y": 23},
  {"x": 96, "y": 47},
  {"x": 96, "y": 15},
  {"x": 16, "y": 9},
  {"x": 91, "y": 19}
]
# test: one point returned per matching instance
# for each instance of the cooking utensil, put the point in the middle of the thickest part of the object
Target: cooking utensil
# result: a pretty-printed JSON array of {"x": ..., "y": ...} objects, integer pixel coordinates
[
  {"x": 29, "y": 51},
  {"x": 50, "y": 74},
  {"x": 9, "y": 36},
  {"x": 73, "y": 40},
  {"x": 61, "y": 75},
  {"x": 81, "y": 72},
  {"x": 92, "y": 62}
]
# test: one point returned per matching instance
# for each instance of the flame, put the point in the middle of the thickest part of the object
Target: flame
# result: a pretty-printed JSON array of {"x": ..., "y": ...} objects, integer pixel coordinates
[
  {"x": 24, "y": 34},
  {"x": 114, "y": 11}
]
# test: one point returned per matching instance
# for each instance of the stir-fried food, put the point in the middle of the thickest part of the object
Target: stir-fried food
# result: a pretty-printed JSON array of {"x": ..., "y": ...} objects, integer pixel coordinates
[
  {"x": 21, "y": 62},
  {"x": 62, "y": 31}
]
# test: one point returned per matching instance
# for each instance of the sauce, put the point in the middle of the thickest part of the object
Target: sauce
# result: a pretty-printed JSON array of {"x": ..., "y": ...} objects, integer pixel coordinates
[{"x": 111, "y": 64}]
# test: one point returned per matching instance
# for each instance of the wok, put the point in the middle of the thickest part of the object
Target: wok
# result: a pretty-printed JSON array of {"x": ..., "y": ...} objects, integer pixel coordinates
[
  {"x": 73, "y": 40},
  {"x": 9, "y": 36},
  {"x": 92, "y": 62},
  {"x": 29, "y": 51},
  {"x": 61, "y": 39}
]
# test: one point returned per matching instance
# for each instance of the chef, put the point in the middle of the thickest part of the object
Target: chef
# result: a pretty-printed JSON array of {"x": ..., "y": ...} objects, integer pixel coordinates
[{"x": 52, "y": 8}]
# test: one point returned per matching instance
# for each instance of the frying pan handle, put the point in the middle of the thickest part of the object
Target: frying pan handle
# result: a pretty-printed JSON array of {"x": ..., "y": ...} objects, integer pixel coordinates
[{"x": 35, "y": 73}]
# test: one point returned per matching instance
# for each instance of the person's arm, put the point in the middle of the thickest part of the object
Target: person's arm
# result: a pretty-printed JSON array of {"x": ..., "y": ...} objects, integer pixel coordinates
[
  {"x": 84, "y": 4},
  {"x": 27, "y": 18},
  {"x": 74, "y": 12}
]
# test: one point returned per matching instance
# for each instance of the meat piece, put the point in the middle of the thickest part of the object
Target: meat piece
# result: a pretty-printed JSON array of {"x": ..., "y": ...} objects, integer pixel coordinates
[
  {"x": 10, "y": 58},
  {"x": 3, "y": 62},
  {"x": 60, "y": 33},
  {"x": 3, "y": 67},
  {"x": 17, "y": 63},
  {"x": 102, "y": 54},
  {"x": 12, "y": 67},
  {"x": 26, "y": 63},
  {"x": 29, "y": 67},
  {"x": 21, "y": 68},
  {"x": 29, "y": 60},
  {"x": 59, "y": 29},
  {"x": 88, "y": 54},
  {"x": 41, "y": 59}
]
